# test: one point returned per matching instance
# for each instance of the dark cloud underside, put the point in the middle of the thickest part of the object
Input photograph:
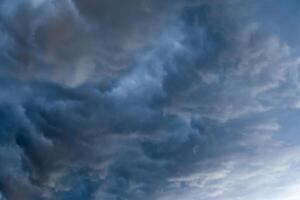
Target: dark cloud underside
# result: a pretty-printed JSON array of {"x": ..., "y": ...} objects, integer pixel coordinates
[{"x": 113, "y": 100}]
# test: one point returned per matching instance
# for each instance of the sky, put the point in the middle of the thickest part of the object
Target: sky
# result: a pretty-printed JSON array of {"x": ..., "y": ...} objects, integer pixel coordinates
[{"x": 149, "y": 100}]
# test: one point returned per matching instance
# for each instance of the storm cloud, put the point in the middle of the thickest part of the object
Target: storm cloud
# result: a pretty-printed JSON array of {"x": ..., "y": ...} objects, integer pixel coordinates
[{"x": 113, "y": 100}]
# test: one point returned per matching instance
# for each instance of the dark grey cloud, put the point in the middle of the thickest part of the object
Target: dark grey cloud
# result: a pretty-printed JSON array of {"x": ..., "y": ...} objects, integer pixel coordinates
[
  {"x": 137, "y": 100},
  {"x": 88, "y": 39}
]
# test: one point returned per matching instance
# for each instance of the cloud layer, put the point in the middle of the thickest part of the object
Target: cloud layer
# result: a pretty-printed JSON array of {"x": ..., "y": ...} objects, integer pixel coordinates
[{"x": 145, "y": 100}]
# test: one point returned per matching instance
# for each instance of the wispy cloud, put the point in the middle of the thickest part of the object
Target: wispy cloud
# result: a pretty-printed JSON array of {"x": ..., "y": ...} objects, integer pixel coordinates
[{"x": 146, "y": 100}]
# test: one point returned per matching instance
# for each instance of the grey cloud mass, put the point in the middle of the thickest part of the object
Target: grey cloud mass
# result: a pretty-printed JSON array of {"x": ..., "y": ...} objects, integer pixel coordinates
[{"x": 147, "y": 100}]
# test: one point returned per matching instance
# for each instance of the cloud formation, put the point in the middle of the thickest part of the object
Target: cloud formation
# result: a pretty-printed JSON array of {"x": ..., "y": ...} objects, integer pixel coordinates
[{"x": 144, "y": 100}]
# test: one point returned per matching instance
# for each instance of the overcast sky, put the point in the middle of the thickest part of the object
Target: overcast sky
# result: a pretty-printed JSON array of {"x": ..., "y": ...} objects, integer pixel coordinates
[{"x": 149, "y": 100}]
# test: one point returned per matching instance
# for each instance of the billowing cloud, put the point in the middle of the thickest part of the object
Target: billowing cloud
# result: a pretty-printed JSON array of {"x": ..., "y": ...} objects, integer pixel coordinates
[{"x": 145, "y": 100}]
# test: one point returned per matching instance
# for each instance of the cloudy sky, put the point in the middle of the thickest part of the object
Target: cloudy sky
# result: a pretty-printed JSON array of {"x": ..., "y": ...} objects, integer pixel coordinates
[{"x": 149, "y": 100}]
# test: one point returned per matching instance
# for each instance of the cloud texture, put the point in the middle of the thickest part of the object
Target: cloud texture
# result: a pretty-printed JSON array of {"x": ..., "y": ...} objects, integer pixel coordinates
[{"x": 107, "y": 100}]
